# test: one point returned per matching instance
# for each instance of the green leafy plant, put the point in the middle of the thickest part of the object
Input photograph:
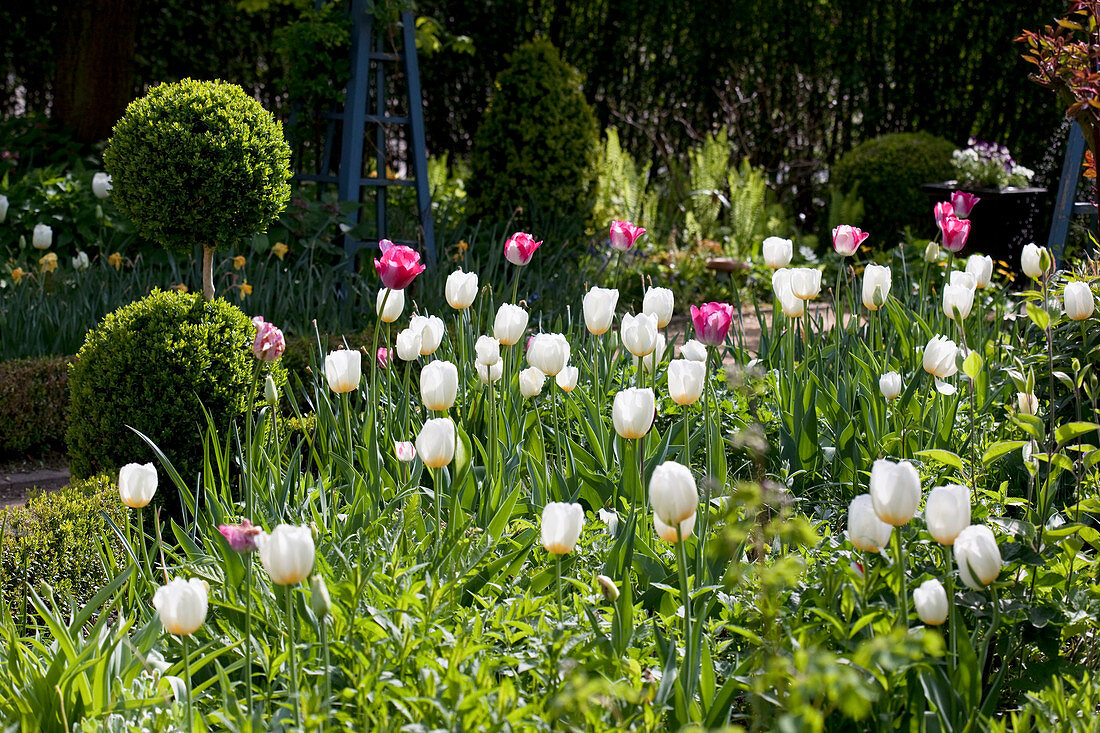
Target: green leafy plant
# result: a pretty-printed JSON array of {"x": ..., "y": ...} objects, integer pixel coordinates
[{"x": 33, "y": 398}]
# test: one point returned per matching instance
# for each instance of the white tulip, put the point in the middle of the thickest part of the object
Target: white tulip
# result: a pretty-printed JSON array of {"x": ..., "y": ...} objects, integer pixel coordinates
[
  {"x": 1034, "y": 261},
  {"x": 611, "y": 519},
  {"x": 136, "y": 484},
  {"x": 567, "y": 378},
  {"x": 3, "y": 209},
  {"x": 599, "y": 309},
  {"x": 101, "y": 185},
  {"x": 408, "y": 344},
  {"x": 889, "y": 384},
  {"x": 668, "y": 532},
  {"x": 693, "y": 350},
  {"x": 977, "y": 555},
  {"x": 778, "y": 252},
  {"x": 672, "y": 493},
  {"x": 510, "y": 323},
  {"x": 939, "y": 357},
  {"x": 549, "y": 352},
  {"x": 639, "y": 333},
  {"x": 1027, "y": 403},
  {"x": 343, "y": 369},
  {"x": 608, "y": 588},
  {"x": 81, "y": 261},
  {"x": 957, "y": 299},
  {"x": 431, "y": 330},
  {"x": 866, "y": 531},
  {"x": 981, "y": 267},
  {"x": 895, "y": 491},
  {"x": 686, "y": 379},
  {"x": 43, "y": 236},
  {"x": 805, "y": 282},
  {"x": 404, "y": 450},
  {"x": 487, "y": 349},
  {"x": 436, "y": 442},
  {"x": 287, "y": 554},
  {"x": 633, "y": 412},
  {"x": 964, "y": 279},
  {"x": 531, "y": 380},
  {"x": 930, "y": 600},
  {"x": 931, "y": 252},
  {"x": 561, "y": 527},
  {"x": 490, "y": 374},
  {"x": 876, "y": 286},
  {"x": 461, "y": 289},
  {"x": 1078, "y": 300},
  {"x": 439, "y": 385},
  {"x": 181, "y": 605},
  {"x": 649, "y": 363},
  {"x": 947, "y": 512},
  {"x": 659, "y": 302},
  {"x": 792, "y": 305},
  {"x": 395, "y": 303}
]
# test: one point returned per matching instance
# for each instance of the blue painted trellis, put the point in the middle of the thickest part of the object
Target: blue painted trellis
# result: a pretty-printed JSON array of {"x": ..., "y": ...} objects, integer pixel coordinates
[
  {"x": 1066, "y": 205},
  {"x": 367, "y": 84}
]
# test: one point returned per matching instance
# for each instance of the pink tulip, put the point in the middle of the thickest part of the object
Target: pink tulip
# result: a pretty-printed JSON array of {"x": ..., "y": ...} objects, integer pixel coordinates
[
  {"x": 405, "y": 451},
  {"x": 941, "y": 211},
  {"x": 241, "y": 537},
  {"x": 399, "y": 265},
  {"x": 846, "y": 239},
  {"x": 383, "y": 357},
  {"x": 624, "y": 235},
  {"x": 955, "y": 231},
  {"x": 520, "y": 248},
  {"x": 712, "y": 322},
  {"x": 269, "y": 344},
  {"x": 963, "y": 203}
]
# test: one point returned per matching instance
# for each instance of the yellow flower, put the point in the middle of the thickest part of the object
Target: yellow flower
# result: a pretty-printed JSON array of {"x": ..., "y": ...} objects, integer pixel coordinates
[
  {"x": 48, "y": 262},
  {"x": 115, "y": 261},
  {"x": 238, "y": 262},
  {"x": 462, "y": 245},
  {"x": 245, "y": 290},
  {"x": 181, "y": 288},
  {"x": 17, "y": 275},
  {"x": 279, "y": 249}
]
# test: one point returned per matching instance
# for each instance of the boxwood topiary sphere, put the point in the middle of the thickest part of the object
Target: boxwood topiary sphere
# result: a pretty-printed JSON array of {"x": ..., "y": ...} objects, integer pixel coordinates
[
  {"x": 536, "y": 146},
  {"x": 198, "y": 162},
  {"x": 149, "y": 365},
  {"x": 890, "y": 170}
]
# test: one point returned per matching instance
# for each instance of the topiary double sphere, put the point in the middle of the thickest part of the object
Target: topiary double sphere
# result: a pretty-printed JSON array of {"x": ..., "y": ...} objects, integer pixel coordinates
[
  {"x": 154, "y": 365},
  {"x": 198, "y": 162}
]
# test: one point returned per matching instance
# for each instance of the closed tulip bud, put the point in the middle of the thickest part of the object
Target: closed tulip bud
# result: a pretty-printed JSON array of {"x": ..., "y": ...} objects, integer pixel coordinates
[
  {"x": 561, "y": 527},
  {"x": 436, "y": 442},
  {"x": 895, "y": 491},
  {"x": 876, "y": 286},
  {"x": 531, "y": 380},
  {"x": 271, "y": 392},
  {"x": 136, "y": 484},
  {"x": 461, "y": 289},
  {"x": 343, "y": 369},
  {"x": 931, "y": 252},
  {"x": 567, "y": 378},
  {"x": 981, "y": 267},
  {"x": 269, "y": 343},
  {"x": 668, "y": 532},
  {"x": 431, "y": 330},
  {"x": 549, "y": 352},
  {"x": 241, "y": 537},
  {"x": 889, "y": 384},
  {"x": 510, "y": 323},
  {"x": 963, "y": 203},
  {"x": 487, "y": 349},
  {"x": 930, "y": 600},
  {"x": 659, "y": 302},
  {"x": 778, "y": 252},
  {"x": 1027, "y": 403},
  {"x": 611, "y": 519},
  {"x": 805, "y": 282},
  {"x": 633, "y": 412},
  {"x": 181, "y": 605},
  {"x": 639, "y": 333},
  {"x": 599, "y": 309},
  {"x": 439, "y": 385},
  {"x": 520, "y": 248},
  {"x": 672, "y": 493},
  {"x": 43, "y": 236},
  {"x": 1078, "y": 300},
  {"x": 398, "y": 266},
  {"x": 608, "y": 588},
  {"x": 3, "y": 209},
  {"x": 81, "y": 261},
  {"x": 101, "y": 185},
  {"x": 947, "y": 512},
  {"x": 408, "y": 344},
  {"x": 405, "y": 451},
  {"x": 287, "y": 554},
  {"x": 490, "y": 374},
  {"x": 649, "y": 363},
  {"x": 712, "y": 322},
  {"x": 624, "y": 234},
  {"x": 939, "y": 357},
  {"x": 793, "y": 306},
  {"x": 958, "y": 300},
  {"x": 693, "y": 350},
  {"x": 389, "y": 304},
  {"x": 955, "y": 232},
  {"x": 977, "y": 555},
  {"x": 319, "y": 599},
  {"x": 1034, "y": 261},
  {"x": 382, "y": 357},
  {"x": 685, "y": 380},
  {"x": 846, "y": 239},
  {"x": 866, "y": 531}
]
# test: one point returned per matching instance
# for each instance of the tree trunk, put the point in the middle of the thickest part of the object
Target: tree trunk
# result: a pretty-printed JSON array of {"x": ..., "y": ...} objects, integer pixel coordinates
[
  {"x": 94, "y": 79},
  {"x": 208, "y": 273}
]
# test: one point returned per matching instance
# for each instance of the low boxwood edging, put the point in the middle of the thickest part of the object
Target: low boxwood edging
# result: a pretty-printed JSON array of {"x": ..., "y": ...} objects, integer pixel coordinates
[{"x": 34, "y": 402}]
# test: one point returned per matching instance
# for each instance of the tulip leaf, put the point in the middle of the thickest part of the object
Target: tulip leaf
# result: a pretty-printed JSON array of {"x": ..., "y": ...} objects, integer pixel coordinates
[
  {"x": 972, "y": 365},
  {"x": 997, "y": 450},
  {"x": 1073, "y": 430},
  {"x": 945, "y": 457}
]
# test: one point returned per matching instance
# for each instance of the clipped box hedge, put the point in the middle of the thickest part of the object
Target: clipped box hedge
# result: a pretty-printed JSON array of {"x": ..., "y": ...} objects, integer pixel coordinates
[{"x": 34, "y": 400}]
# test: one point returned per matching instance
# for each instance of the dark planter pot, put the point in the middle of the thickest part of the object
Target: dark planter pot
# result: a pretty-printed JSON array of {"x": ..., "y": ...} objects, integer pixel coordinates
[{"x": 1003, "y": 221}]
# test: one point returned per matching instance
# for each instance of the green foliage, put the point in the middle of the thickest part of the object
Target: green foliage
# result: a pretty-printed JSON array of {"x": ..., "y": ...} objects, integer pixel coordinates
[
  {"x": 198, "y": 163},
  {"x": 154, "y": 366},
  {"x": 622, "y": 187},
  {"x": 537, "y": 143},
  {"x": 33, "y": 396},
  {"x": 889, "y": 171},
  {"x": 54, "y": 539}
]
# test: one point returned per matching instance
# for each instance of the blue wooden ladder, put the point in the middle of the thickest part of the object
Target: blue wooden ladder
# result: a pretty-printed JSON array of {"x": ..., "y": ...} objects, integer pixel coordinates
[{"x": 1067, "y": 206}]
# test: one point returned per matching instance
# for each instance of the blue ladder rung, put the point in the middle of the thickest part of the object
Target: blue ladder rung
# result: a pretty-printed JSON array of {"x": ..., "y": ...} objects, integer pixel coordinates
[
  {"x": 378, "y": 182},
  {"x": 383, "y": 56},
  {"x": 386, "y": 120}
]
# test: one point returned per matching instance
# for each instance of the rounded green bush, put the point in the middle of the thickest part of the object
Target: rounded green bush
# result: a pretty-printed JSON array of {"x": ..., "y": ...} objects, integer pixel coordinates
[
  {"x": 198, "y": 162},
  {"x": 890, "y": 170},
  {"x": 154, "y": 365},
  {"x": 537, "y": 144}
]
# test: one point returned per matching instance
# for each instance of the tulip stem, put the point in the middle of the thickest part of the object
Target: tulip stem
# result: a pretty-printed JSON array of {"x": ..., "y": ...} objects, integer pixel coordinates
[
  {"x": 248, "y": 632},
  {"x": 903, "y": 596},
  {"x": 685, "y": 592},
  {"x": 187, "y": 679},
  {"x": 148, "y": 570},
  {"x": 687, "y": 437},
  {"x": 351, "y": 452},
  {"x": 950, "y": 605},
  {"x": 293, "y": 654},
  {"x": 561, "y": 606},
  {"x": 323, "y": 623}
]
